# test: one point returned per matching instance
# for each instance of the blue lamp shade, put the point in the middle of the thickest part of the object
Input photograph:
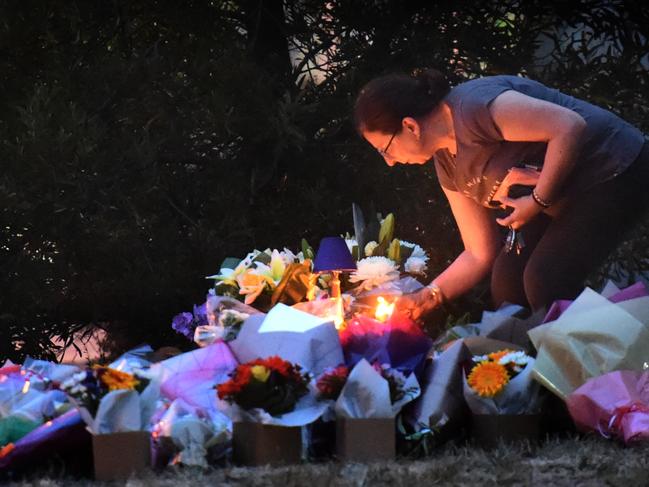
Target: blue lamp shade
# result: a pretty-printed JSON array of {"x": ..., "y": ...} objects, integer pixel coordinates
[{"x": 333, "y": 255}]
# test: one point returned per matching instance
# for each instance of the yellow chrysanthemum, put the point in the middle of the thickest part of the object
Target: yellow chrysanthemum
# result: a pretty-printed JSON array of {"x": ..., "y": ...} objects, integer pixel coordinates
[
  {"x": 488, "y": 378},
  {"x": 116, "y": 379},
  {"x": 260, "y": 373},
  {"x": 496, "y": 356}
]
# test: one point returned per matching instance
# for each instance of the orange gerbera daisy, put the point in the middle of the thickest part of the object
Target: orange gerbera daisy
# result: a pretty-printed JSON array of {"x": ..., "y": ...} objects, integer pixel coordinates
[
  {"x": 488, "y": 378},
  {"x": 116, "y": 379}
]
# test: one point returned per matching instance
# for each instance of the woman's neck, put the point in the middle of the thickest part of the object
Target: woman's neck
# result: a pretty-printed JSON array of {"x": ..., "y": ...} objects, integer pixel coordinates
[{"x": 440, "y": 130}]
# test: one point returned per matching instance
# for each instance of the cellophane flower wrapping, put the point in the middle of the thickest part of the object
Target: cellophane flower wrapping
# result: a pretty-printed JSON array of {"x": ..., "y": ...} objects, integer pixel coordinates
[
  {"x": 615, "y": 404},
  {"x": 111, "y": 401},
  {"x": 398, "y": 342},
  {"x": 610, "y": 291},
  {"x": 591, "y": 337},
  {"x": 367, "y": 393},
  {"x": 521, "y": 395},
  {"x": 271, "y": 391},
  {"x": 192, "y": 376},
  {"x": 65, "y": 436},
  {"x": 193, "y": 431},
  {"x": 296, "y": 336},
  {"x": 28, "y": 398}
]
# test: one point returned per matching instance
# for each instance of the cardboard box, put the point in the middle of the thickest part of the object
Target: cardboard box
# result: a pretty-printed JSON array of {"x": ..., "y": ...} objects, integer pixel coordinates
[
  {"x": 365, "y": 440},
  {"x": 119, "y": 455},
  {"x": 490, "y": 429},
  {"x": 163, "y": 451},
  {"x": 255, "y": 444}
]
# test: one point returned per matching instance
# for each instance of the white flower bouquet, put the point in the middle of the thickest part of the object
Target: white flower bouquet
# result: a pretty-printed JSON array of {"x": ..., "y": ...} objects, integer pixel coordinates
[{"x": 381, "y": 258}]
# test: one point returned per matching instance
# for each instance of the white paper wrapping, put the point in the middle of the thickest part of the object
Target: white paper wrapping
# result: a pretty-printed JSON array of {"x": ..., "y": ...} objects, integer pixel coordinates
[
  {"x": 122, "y": 410},
  {"x": 285, "y": 318},
  {"x": 314, "y": 349},
  {"x": 366, "y": 394},
  {"x": 307, "y": 410},
  {"x": 34, "y": 405}
]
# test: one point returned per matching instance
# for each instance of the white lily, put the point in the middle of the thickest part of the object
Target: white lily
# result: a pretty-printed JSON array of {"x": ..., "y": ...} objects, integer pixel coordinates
[
  {"x": 275, "y": 270},
  {"x": 289, "y": 257},
  {"x": 417, "y": 251},
  {"x": 228, "y": 276},
  {"x": 351, "y": 243}
]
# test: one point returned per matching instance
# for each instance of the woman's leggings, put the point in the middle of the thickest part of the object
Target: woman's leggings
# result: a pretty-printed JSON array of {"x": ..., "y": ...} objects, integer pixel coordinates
[{"x": 561, "y": 251}]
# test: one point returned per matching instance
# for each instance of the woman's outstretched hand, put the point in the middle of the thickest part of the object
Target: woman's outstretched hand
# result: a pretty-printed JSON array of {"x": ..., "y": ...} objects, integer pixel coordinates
[{"x": 416, "y": 305}]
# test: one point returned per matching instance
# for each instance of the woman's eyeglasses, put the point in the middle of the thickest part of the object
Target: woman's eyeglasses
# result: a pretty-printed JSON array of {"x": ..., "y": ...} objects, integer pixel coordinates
[{"x": 384, "y": 152}]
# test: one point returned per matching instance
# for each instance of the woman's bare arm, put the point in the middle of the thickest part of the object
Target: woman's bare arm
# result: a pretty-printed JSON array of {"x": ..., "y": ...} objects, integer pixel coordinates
[
  {"x": 481, "y": 238},
  {"x": 482, "y": 241},
  {"x": 522, "y": 118}
]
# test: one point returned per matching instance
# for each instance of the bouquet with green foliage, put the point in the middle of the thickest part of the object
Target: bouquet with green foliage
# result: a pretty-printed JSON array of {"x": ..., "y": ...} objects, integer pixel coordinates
[
  {"x": 380, "y": 257},
  {"x": 266, "y": 277}
]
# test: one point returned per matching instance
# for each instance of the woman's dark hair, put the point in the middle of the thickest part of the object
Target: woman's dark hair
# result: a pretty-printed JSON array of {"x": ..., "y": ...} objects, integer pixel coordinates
[{"x": 385, "y": 101}]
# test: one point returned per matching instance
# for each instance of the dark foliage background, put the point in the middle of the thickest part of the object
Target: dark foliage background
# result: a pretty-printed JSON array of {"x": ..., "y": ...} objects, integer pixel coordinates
[{"x": 141, "y": 142}]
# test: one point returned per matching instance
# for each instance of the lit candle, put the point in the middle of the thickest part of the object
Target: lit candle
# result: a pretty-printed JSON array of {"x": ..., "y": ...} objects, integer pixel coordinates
[{"x": 384, "y": 309}]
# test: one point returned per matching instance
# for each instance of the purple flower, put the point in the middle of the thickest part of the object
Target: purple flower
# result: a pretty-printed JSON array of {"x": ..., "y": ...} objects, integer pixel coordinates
[
  {"x": 200, "y": 315},
  {"x": 183, "y": 323}
]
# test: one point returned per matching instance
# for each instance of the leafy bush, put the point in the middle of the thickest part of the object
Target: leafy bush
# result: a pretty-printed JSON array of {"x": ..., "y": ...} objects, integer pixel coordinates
[{"x": 143, "y": 142}]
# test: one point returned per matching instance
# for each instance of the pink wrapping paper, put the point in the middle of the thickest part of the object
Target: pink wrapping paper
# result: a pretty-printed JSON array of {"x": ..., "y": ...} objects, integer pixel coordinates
[
  {"x": 192, "y": 376},
  {"x": 556, "y": 309},
  {"x": 10, "y": 369},
  {"x": 637, "y": 290},
  {"x": 613, "y": 404}
]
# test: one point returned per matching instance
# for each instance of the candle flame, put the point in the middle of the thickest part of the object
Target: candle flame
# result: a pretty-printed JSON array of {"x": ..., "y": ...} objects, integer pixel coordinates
[
  {"x": 26, "y": 386},
  {"x": 384, "y": 309},
  {"x": 339, "y": 321}
]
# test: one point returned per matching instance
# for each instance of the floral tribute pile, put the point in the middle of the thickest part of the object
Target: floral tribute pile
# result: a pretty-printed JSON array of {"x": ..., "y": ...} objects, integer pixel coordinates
[
  {"x": 264, "y": 348},
  {"x": 264, "y": 278}
]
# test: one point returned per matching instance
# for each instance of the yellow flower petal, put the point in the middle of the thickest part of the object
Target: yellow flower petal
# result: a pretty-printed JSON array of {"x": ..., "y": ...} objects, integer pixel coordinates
[{"x": 260, "y": 373}]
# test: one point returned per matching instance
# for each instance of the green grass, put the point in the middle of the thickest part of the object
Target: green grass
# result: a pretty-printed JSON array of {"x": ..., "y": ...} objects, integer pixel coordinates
[{"x": 586, "y": 461}]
